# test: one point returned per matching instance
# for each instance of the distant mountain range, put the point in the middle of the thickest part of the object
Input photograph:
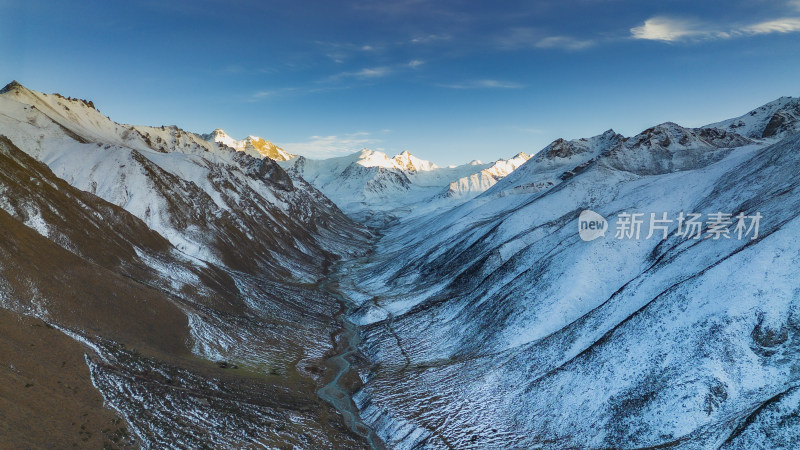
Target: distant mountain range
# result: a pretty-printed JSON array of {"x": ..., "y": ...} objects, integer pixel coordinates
[
  {"x": 377, "y": 190},
  {"x": 252, "y": 145},
  {"x": 161, "y": 288}
]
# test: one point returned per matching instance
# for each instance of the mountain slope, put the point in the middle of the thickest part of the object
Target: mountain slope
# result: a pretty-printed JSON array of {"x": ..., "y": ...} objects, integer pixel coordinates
[
  {"x": 773, "y": 119},
  {"x": 474, "y": 184},
  {"x": 494, "y": 324},
  {"x": 176, "y": 292},
  {"x": 211, "y": 202},
  {"x": 202, "y": 324}
]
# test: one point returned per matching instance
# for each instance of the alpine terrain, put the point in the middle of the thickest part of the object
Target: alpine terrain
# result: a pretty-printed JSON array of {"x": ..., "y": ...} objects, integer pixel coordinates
[
  {"x": 166, "y": 289},
  {"x": 377, "y": 190},
  {"x": 160, "y": 290}
]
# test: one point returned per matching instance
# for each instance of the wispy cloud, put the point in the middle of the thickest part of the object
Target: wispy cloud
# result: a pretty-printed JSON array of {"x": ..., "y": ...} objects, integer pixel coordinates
[
  {"x": 239, "y": 69},
  {"x": 339, "y": 52},
  {"x": 531, "y": 38},
  {"x": 564, "y": 42},
  {"x": 484, "y": 84},
  {"x": 337, "y": 81},
  {"x": 431, "y": 38},
  {"x": 363, "y": 74},
  {"x": 669, "y": 30},
  {"x": 785, "y": 25},
  {"x": 232, "y": 69},
  {"x": 374, "y": 73},
  {"x": 337, "y": 57},
  {"x": 259, "y": 96},
  {"x": 329, "y": 146},
  {"x": 666, "y": 29}
]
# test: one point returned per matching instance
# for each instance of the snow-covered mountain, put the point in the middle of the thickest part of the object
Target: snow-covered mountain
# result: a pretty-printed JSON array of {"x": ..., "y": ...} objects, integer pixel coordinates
[
  {"x": 376, "y": 189},
  {"x": 471, "y": 185},
  {"x": 773, "y": 119},
  {"x": 167, "y": 289},
  {"x": 494, "y": 325},
  {"x": 252, "y": 145},
  {"x": 211, "y": 202},
  {"x": 188, "y": 273}
]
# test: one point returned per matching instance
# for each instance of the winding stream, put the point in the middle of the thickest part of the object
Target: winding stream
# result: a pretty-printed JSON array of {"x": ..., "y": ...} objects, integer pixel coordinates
[{"x": 334, "y": 392}]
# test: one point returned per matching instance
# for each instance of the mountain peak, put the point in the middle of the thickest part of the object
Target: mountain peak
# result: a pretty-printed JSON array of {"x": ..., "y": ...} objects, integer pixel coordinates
[
  {"x": 373, "y": 158},
  {"x": 774, "y": 119},
  {"x": 14, "y": 85},
  {"x": 411, "y": 163},
  {"x": 255, "y": 146}
]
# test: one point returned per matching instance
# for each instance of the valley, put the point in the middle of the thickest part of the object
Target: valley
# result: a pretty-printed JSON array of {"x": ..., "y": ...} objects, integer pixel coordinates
[
  {"x": 340, "y": 387},
  {"x": 205, "y": 291}
]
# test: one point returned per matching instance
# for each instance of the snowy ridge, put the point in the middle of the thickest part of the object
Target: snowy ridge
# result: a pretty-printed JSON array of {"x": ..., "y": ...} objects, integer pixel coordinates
[
  {"x": 187, "y": 266},
  {"x": 485, "y": 320},
  {"x": 476, "y": 183},
  {"x": 377, "y": 189},
  {"x": 478, "y": 318},
  {"x": 207, "y": 200},
  {"x": 776, "y": 118},
  {"x": 252, "y": 145}
]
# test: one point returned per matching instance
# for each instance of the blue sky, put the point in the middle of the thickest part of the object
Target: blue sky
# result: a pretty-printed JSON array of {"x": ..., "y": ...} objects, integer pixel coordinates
[{"x": 451, "y": 81}]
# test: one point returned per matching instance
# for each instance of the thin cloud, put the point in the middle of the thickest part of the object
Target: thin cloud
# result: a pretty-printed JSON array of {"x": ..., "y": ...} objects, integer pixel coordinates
[
  {"x": 373, "y": 72},
  {"x": 268, "y": 94},
  {"x": 262, "y": 95},
  {"x": 233, "y": 69},
  {"x": 666, "y": 29},
  {"x": 329, "y": 146},
  {"x": 786, "y": 25},
  {"x": 531, "y": 38},
  {"x": 564, "y": 42},
  {"x": 430, "y": 38},
  {"x": 485, "y": 84},
  {"x": 338, "y": 58},
  {"x": 339, "y": 52},
  {"x": 363, "y": 74}
]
